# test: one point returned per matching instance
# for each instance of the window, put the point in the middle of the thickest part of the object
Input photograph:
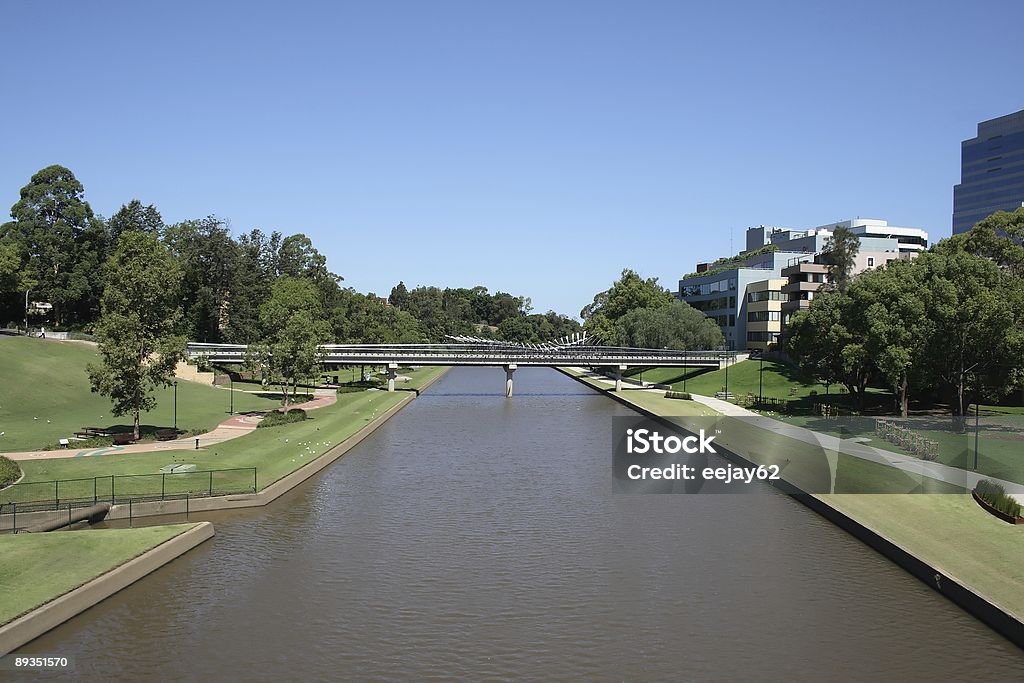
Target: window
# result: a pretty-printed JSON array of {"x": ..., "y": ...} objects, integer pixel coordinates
[{"x": 871, "y": 261}]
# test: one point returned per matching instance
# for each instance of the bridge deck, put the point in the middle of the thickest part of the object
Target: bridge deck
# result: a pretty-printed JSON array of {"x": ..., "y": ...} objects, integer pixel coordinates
[{"x": 483, "y": 354}]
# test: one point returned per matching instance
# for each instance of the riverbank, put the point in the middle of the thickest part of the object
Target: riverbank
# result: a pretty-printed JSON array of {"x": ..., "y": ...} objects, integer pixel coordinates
[
  {"x": 284, "y": 456},
  {"x": 945, "y": 540},
  {"x": 49, "y": 578}
]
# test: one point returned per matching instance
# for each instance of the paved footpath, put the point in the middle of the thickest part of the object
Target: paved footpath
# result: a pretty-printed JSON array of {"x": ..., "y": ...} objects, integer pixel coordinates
[
  {"x": 935, "y": 470},
  {"x": 232, "y": 428}
]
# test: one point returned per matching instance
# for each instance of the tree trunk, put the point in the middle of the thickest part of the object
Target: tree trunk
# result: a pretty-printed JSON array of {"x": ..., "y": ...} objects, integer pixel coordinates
[
  {"x": 135, "y": 430},
  {"x": 904, "y": 396}
]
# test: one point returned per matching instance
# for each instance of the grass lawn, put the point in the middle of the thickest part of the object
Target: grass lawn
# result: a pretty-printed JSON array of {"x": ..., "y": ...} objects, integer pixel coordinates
[
  {"x": 273, "y": 451},
  {"x": 780, "y": 381},
  {"x": 38, "y": 568},
  {"x": 948, "y": 531},
  {"x": 46, "y": 397},
  {"x": 1000, "y": 439}
]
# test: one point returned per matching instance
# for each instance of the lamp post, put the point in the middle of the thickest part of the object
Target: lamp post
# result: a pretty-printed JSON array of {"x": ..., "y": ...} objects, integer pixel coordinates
[
  {"x": 760, "y": 379},
  {"x": 175, "y": 405},
  {"x": 231, "y": 379},
  {"x": 26, "y": 311},
  {"x": 977, "y": 411}
]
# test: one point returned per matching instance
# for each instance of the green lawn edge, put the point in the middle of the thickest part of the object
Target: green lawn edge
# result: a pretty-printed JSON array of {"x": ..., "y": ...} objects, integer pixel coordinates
[
  {"x": 38, "y": 568},
  {"x": 275, "y": 452},
  {"x": 948, "y": 531}
]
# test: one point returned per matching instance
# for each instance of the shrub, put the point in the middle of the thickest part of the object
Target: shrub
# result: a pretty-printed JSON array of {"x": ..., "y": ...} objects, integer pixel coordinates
[
  {"x": 684, "y": 395},
  {"x": 9, "y": 471},
  {"x": 349, "y": 389},
  {"x": 995, "y": 495},
  {"x": 278, "y": 418}
]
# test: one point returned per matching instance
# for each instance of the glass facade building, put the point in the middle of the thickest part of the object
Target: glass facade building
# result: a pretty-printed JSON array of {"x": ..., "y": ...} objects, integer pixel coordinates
[{"x": 991, "y": 171}]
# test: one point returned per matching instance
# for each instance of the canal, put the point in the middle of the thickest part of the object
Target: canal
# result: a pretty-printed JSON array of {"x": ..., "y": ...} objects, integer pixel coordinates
[{"x": 477, "y": 538}]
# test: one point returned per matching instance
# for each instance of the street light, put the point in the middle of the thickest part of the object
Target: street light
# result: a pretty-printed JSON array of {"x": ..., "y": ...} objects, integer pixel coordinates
[
  {"x": 760, "y": 379},
  {"x": 175, "y": 405},
  {"x": 231, "y": 379},
  {"x": 977, "y": 411}
]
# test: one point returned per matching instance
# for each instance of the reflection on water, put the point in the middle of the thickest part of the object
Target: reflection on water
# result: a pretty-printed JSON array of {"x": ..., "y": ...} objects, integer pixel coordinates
[{"x": 475, "y": 537}]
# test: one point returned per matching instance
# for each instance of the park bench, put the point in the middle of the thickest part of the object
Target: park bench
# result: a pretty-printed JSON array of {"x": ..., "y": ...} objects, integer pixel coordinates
[
  {"x": 123, "y": 439},
  {"x": 166, "y": 434}
]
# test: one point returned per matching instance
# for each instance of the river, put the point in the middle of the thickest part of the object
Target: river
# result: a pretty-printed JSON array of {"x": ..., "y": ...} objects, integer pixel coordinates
[{"x": 473, "y": 537}]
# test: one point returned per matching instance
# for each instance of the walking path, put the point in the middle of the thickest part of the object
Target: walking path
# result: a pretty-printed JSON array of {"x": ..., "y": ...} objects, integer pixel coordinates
[
  {"x": 906, "y": 463},
  {"x": 232, "y": 428}
]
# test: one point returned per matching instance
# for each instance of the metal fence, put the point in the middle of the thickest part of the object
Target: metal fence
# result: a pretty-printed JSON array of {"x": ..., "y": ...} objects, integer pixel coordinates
[{"x": 122, "y": 488}]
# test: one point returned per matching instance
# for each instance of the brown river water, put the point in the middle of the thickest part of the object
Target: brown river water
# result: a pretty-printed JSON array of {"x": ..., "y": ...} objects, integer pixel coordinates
[{"x": 477, "y": 538}]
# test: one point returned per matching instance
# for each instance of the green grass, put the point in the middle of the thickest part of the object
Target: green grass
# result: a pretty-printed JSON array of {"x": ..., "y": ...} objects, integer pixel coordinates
[
  {"x": 274, "y": 451},
  {"x": 46, "y": 397},
  {"x": 780, "y": 380},
  {"x": 948, "y": 531},
  {"x": 9, "y": 471},
  {"x": 1000, "y": 440},
  {"x": 38, "y": 568}
]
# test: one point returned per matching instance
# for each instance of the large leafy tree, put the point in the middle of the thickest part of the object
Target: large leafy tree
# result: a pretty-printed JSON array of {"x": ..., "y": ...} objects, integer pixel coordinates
[
  {"x": 676, "y": 325},
  {"x": 828, "y": 341},
  {"x": 139, "y": 316},
  {"x": 840, "y": 253},
  {"x": 133, "y": 216},
  {"x": 60, "y": 242},
  {"x": 294, "y": 327},
  {"x": 210, "y": 261},
  {"x": 629, "y": 293}
]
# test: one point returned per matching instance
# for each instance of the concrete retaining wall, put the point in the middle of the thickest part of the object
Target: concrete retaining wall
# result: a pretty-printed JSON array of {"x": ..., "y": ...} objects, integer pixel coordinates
[{"x": 40, "y": 620}]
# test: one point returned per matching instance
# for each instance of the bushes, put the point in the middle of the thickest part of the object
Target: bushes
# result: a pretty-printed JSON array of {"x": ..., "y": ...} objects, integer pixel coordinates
[
  {"x": 684, "y": 395},
  {"x": 9, "y": 471},
  {"x": 278, "y": 418},
  {"x": 995, "y": 495}
]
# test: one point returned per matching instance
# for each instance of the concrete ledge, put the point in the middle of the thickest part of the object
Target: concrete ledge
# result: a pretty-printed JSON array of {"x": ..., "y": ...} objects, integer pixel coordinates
[
  {"x": 40, "y": 620},
  {"x": 998, "y": 619}
]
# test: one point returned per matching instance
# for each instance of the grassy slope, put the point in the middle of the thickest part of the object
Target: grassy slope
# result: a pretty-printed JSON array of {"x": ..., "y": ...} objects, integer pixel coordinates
[
  {"x": 38, "y": 568},
  {"x": 949, "y": 531},
  {"x": 780, "y": 380},
  {"x": 274, "y": 451},
  {"x": 47, "y": 380}
]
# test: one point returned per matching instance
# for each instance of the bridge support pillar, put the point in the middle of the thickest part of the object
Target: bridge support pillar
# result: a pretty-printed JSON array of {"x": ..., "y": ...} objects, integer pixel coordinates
[
  {"x": 618, "y": 377},
  {"x": 509, "y": 369},
  {"x": 392, "y": 373}
]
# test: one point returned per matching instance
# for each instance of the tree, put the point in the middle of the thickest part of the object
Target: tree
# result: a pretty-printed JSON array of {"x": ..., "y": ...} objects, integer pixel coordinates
[
  {"x": 210, "y": 261},
  {"x": 133, "y": 216},
  {"x": 61, "y": 243},
  {"x": 840, "y": 253},
  {"x": 630, "y": 292},
  {"x": 294, "y": 328},
  {"x": 139, "y": 315},
  {"x": 828, "y": 341},
  {"x": 676, "y": 325},
  {"x": 399, "y": 296},
  {"x": 975, "y": 314}
]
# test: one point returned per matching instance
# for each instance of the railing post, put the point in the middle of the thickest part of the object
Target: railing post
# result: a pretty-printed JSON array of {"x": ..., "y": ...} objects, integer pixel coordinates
[
  {"x": 14, "y": 507},
  {"x": 163, "y": 487},
  {"x": 112, "y": 497},
  {"x": 254, "y": 480},
  {"x": 95, "y": 490},
  {"x": 56, "y": 496},
  {"x": 211, "y": 483}
]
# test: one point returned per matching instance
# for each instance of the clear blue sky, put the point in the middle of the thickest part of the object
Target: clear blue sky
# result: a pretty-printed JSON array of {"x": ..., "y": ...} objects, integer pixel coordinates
[{"x": 533, "y": 147}]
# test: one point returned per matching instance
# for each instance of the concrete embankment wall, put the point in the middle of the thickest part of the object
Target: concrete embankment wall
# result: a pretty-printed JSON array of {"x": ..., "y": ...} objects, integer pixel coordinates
[
  {"x": 1003, "y": 622},
  {"x": 40, "y": 620}
]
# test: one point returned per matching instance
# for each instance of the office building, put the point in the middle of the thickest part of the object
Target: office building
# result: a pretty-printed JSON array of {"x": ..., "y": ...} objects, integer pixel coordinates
[{"x": 991, "y": 171}]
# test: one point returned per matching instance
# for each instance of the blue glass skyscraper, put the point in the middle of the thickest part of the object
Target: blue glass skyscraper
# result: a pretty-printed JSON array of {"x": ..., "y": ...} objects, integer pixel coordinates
[{"x": 991, "y": 171}]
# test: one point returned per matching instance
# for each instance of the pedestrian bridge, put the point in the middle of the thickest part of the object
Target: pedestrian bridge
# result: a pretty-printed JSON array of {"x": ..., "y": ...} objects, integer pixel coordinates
[{"x": 480, "y": 352}]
